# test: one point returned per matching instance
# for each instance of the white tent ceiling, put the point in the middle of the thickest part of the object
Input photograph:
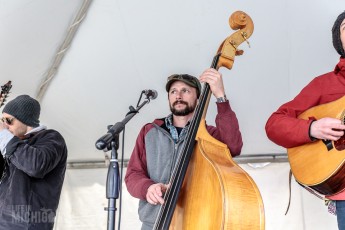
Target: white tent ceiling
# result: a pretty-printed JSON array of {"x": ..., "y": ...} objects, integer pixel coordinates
[{"x": 123, "y": 47}]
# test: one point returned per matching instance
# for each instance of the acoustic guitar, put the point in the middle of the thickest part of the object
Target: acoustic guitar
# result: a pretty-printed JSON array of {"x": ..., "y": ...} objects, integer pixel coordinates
[
  {"x": 5, "y": 90},
  {"x": 320, "y": 164}
]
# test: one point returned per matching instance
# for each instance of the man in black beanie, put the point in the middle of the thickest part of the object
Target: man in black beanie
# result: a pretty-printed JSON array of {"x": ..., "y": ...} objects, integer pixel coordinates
[
  {"x": 285, "y": 128},
  {"x": 34, "y": 160}
]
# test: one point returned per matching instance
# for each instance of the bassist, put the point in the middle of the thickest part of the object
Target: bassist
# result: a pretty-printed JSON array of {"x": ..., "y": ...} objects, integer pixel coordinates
[{"x": 159, "y": 142}]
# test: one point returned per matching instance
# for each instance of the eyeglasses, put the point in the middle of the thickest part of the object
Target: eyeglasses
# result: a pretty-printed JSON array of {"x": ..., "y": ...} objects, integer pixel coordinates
[{"x": 7, "y": 120}]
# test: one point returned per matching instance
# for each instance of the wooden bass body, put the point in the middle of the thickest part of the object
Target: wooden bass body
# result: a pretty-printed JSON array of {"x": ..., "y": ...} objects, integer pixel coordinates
[{"x": 231, "y": 201}]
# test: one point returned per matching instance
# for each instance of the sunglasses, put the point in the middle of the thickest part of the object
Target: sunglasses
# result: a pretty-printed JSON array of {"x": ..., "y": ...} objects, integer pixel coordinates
[
  {"x": 182, "y": 77},
  {"x": 192, "y": 81},
  {"x": 7, "y": 120}
]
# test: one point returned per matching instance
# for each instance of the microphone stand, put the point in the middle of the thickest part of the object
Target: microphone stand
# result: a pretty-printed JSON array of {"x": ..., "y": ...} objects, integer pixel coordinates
[
  {"x": 112, "y": 138},
  {"x": 113, "y": 183}
]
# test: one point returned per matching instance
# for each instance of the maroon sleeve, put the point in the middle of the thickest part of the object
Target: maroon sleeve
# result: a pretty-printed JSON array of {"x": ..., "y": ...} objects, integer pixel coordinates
[
  {"x": 137, "y": 179},
  {"x": 284, "y": 128},
  {"x": 227, "y": 128}
]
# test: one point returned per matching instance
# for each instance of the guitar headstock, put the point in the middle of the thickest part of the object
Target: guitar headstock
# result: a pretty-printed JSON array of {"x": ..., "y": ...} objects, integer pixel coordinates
[{"x": 5, "y": 90}]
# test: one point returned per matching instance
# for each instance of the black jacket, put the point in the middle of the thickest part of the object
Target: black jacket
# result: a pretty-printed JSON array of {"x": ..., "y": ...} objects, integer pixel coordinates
[{"x": 32, "y": 180}]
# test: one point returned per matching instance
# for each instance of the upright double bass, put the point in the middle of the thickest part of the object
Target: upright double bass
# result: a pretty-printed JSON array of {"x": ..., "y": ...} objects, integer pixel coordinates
[{"x": 208, "y": 190}]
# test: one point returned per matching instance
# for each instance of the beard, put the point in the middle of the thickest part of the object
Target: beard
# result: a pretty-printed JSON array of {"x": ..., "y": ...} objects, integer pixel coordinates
[{"x": 182, "y": 112}]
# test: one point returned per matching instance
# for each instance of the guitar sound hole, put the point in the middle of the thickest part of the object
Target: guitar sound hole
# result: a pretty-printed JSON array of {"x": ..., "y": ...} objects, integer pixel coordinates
[{"x": 340, "y": 144}]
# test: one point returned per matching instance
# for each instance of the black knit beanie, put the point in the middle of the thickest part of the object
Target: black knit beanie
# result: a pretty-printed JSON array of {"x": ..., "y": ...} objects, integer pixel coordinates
[
  {"x": 336, "y": 35},
  {"x": 25, "y": 109}
]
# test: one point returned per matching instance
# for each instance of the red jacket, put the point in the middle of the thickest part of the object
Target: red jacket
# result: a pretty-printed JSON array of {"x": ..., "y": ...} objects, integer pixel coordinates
[{"x": 285, "y": 129}]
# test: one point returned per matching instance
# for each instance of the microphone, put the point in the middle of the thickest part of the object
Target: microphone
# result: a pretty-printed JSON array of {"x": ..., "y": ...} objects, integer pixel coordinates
[
  {"x": 114, "y": 130},
  {"x": 150, "y": 93},
  {"x": 103, "y": 141}
]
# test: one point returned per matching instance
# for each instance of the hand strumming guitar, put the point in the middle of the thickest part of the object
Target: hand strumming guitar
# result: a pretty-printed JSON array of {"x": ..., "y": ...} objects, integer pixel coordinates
[{"x": 327, "y": 129}]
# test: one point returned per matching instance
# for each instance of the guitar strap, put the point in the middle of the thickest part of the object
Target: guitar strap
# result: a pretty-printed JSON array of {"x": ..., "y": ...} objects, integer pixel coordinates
[
  {"x": 329, "y": 203},
  {"x": 290, "y": 176}
]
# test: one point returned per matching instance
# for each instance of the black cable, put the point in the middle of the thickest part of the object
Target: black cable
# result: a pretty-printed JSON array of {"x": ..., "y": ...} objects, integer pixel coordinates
[{"x": 121, "y": 176}]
